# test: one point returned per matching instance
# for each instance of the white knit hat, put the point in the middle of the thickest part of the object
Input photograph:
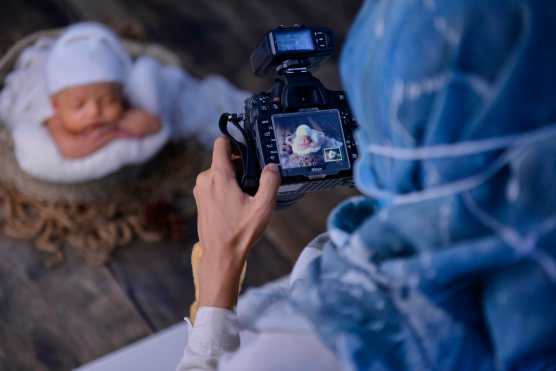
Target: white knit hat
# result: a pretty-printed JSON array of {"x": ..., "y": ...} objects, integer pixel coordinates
[{"x": 86, "y": 53}]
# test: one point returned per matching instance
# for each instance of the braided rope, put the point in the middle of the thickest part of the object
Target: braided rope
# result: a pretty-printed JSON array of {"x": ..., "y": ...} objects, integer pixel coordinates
[{"x": 96, "y": 229}]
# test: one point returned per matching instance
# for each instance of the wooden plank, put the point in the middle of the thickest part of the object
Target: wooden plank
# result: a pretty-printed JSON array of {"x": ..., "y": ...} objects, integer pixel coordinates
[
  {"x": 157, "y": 279},
  {"x": 114, "y": 14},
  {"x": 20, "y": 18},
  {"x": 210, "y": 37},
  {"x": 59, "y": 319},
  {"x": 216, "y": 36},
  {"x": 265, "y": 263}
]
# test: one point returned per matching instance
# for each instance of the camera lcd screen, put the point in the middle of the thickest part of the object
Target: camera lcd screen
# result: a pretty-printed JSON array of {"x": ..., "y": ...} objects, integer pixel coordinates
[
  {"x": 310, "y": 143},
  {"x": 294, "y": 40}
]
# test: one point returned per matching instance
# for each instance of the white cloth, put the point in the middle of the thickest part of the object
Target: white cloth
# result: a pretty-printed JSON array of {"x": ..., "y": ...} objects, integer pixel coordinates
[
  {"x": 191, "y": 106},
  {"x": 38, "y": 155},
  {"x": 274, "y": 337},
  {"x": 24, "y": 98},
  {"x": 86, "y": 53},
  {"x": 187, "y": 107}
]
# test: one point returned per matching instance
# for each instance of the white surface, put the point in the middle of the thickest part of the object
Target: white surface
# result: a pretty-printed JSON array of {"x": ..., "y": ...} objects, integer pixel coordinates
[{"x": 159, "y": 352}]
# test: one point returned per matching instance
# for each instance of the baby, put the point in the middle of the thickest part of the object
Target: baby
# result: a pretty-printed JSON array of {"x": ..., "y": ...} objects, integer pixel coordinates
[
  {"x": 85, "y": 74},
  {"x": 305, "y": 140}
]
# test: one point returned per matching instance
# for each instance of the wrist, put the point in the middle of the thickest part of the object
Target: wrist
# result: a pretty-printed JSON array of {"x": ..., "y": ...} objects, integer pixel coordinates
[
  {"x": 219, "y": 280},
  {"x": 220, "y": 292},
  {"x": 226, "y": 252}
]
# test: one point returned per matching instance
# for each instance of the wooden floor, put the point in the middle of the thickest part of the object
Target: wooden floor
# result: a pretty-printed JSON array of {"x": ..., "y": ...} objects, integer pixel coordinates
[{"x": 62, "y": 318}]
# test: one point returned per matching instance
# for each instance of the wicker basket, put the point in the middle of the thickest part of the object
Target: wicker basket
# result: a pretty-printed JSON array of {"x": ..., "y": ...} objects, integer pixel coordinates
[{"x": 147, "y": 201}]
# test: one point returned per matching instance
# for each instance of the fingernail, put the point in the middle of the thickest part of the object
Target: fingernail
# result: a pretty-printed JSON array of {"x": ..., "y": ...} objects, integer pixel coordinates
[{"x": 272, "y": 167}]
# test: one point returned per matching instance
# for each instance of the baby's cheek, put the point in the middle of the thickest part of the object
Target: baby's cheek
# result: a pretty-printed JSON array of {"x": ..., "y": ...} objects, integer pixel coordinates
[
  {"x": 73, "y": 121},
  {"x": 75, "y": 113},
  {"x": 114, "y": 112}
]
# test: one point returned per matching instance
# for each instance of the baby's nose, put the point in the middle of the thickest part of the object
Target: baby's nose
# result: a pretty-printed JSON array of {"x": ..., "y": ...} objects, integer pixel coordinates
[{"x": 93, "y": 108}]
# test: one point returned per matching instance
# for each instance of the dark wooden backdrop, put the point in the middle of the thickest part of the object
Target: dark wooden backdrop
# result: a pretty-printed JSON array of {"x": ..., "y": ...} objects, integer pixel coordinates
[{"x": 62, "y": 318}]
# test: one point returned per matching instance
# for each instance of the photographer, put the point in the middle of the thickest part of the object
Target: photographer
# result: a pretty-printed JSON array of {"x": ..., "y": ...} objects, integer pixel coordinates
[{"x": 449, "y": 261}]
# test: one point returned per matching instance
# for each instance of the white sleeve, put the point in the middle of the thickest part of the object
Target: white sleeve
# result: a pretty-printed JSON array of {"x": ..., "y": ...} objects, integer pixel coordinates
[{"x": 215, "y": 332}]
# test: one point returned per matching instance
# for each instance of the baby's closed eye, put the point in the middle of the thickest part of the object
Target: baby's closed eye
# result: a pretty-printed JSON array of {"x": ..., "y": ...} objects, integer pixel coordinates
[
  {"x": 111, "y": 100},
  {"x": 77, "y": 104}
]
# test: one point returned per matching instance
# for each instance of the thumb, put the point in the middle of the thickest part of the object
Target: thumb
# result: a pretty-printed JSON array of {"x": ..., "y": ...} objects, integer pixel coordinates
[{"x": 268, "y": 186}]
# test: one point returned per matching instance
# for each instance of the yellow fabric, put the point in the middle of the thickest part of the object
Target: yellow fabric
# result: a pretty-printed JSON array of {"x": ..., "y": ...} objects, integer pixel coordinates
[{"x": 196, "y": 256}]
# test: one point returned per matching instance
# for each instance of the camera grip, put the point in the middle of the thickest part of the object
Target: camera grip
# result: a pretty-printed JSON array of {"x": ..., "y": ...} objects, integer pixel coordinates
[{"x": 248, "y": 176}]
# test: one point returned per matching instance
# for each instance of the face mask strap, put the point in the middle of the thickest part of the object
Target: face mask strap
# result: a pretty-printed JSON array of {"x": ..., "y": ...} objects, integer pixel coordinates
[
  {"x": 448, "y": 189},
  {"x": 462, "y": 148}
]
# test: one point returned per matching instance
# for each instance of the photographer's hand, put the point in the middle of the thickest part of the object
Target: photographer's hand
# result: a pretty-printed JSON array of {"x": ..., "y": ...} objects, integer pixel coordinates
[{"x": 229, "y": 223}]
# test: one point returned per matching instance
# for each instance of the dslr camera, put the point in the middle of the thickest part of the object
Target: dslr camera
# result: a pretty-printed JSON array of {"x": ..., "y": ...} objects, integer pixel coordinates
[{"x": 299, "y": 124}]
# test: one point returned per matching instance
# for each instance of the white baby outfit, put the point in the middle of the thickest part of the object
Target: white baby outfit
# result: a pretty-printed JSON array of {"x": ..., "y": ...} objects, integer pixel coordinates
[{"x": 186, "y": 106}]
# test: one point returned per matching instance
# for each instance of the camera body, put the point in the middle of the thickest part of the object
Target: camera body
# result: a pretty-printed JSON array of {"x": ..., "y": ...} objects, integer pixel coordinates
[{"x": 299, "y": 124}]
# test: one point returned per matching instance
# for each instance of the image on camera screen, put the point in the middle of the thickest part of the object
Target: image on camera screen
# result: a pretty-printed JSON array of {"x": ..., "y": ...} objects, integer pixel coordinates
[{"x": 310, "y": 143}]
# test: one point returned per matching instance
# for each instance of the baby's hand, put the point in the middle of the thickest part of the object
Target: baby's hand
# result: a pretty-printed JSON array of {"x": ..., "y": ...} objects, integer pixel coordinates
[
  {"x": 81, "y": 145},
  {"x": 138, "y": 123}
]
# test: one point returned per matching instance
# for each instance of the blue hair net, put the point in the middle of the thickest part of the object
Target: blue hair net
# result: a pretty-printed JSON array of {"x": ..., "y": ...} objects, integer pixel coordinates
[{"x": 449, "y": 260}]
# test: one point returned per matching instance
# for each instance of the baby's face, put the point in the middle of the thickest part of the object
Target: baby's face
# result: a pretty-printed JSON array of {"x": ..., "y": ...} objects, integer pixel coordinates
[
  {"x": 88, "y": 107},
  {"x": 304, "y": 141}
]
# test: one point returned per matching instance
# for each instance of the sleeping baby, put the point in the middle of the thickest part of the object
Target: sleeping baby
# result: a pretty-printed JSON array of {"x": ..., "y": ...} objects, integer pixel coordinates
[
  {"x": 78, "y": 108},
  {"x": 85, "y": 74}
]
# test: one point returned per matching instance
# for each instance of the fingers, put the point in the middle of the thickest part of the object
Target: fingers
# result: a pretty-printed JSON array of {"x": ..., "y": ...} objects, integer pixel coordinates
[
  {"x": 200, "y": 183},
  {"x": 221, "y": 155},
  {"x": 268, "y": 186}
]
